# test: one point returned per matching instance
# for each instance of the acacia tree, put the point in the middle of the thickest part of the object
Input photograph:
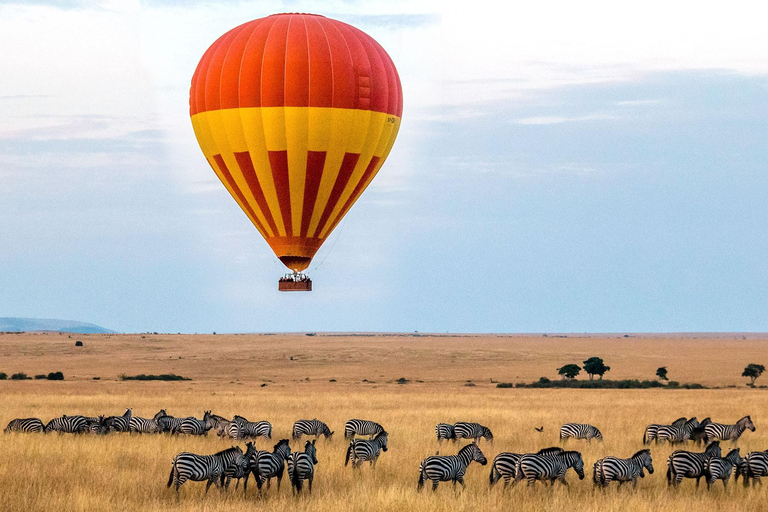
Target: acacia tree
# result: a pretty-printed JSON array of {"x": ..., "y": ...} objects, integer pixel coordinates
[
  {"x": 569, "y": 371},
  {"x": 661, "y": 373},
  {"x": 753, "y": 371},
  {"x": 594, "y": 366}
]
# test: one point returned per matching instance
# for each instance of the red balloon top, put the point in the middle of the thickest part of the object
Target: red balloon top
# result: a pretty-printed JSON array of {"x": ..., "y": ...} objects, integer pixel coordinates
[{"x": 296, "y": 60}]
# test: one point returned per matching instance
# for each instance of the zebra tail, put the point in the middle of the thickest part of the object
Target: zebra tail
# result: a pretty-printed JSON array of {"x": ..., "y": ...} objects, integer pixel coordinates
[
  {"x": 173, "y": 470},
  {"x": 645, "y": 437},
  {"x": 295, "y": 480},
  {"x": 495, "y": 475},
  {"x": 420, "y": 485},
  {"x": 349, "y": 453}
]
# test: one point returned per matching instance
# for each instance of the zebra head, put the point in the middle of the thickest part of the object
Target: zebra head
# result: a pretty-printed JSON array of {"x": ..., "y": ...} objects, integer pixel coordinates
[
  {"x": 209, "y": 420},
  {"x": 250, "y": 450},
  {"x": 381, "y": 438},
  {"x": 327, "y": 432},
  {"x": 472, "y": 452},
  {"x": 598, "y": 435},
  {"x": 487, "y": 434},
  {"x": 161, "y": 414},
  {"x": 746, "y": 423},
  {"x": 574, "y": 461},
  {"x": 644, "y": 458},
  {"x": 310, "y": 450},
  {"x": 283, "y": 448},
  {"x": 128, "y": 412}
]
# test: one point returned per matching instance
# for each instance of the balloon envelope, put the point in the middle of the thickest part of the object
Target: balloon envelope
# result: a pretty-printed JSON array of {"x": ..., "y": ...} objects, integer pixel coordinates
[{"x": 295, "y": 113}]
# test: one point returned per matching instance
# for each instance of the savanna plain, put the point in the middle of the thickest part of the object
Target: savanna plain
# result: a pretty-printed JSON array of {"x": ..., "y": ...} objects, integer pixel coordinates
[{"x": 408, "y": 383}]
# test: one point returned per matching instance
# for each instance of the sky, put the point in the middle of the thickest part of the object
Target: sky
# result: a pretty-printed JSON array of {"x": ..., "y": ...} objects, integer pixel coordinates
[{"x": 560, "y": 167}]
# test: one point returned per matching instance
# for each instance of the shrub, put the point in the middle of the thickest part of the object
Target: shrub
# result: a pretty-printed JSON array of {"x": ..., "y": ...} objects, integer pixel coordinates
[
  {"x": 544, "y": 380},
  {"x": 3, "y": 375},
  {"x": 78, "y": 343},
  {"x": 38, "y": 377},
  {"x": 20, "y": 376},
  {"x": 164, "y": 376},
  {"x": 402, "y": 380},
  {"x": 505, "y": 385},
  {"x": 55, "y": 376}
]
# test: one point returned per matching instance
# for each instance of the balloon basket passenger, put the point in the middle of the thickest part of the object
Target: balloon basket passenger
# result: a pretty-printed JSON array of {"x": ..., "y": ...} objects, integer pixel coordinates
[{"x": 295, "y": 282}]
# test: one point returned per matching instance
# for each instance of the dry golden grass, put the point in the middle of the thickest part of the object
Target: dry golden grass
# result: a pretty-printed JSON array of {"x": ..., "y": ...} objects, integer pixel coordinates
[{"x": 129, "y": 471}]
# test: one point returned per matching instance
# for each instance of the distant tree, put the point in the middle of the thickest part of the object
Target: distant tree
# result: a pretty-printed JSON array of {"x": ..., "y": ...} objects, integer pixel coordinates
[
  {"x": 753, "y": 371},
  {"x": 569, "y": 371},
  {"x": 661, "y": 373},
  {"x": 3, "y": 375},
  {"x": 594, "y": 366},
  {"x": 55, "y": 376}
]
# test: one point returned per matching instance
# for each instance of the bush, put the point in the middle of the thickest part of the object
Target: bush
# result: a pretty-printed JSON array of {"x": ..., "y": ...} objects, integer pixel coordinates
[
  {"x": 603, "y": 384},
  {"x": 39, "y": 377},
  {"x": 3, "y": 375},
  {"x": 402, "y": 380},
  {"x": 544, "y": 380},
  {"x": 505, "y": 385},
  {"x": 20, "y": 376},
  {"x": 164, "y": 376},
  {"x": 78, "y": 343},
  {"x": 55, "y": 376}
]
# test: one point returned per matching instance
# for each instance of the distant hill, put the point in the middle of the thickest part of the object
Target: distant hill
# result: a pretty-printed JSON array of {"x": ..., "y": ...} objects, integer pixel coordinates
[{"x": 10, "y": 324}]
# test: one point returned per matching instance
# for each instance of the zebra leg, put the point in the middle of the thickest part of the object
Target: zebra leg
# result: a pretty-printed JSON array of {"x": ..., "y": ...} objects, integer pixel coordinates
[
  {"x": 461, "y": 481},
  {"x": 697, "y": 481},
  {"x": 208, "y": 485},
  {"x": 621, "y": 482},
  {"x": 311, "y": 477},
  {"x": 245, "y": 483},
  {"x": 434, "y": 485}
]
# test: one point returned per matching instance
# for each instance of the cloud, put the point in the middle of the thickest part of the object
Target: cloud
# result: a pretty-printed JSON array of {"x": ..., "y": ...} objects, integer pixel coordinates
[{"x": 563, "y": 119}]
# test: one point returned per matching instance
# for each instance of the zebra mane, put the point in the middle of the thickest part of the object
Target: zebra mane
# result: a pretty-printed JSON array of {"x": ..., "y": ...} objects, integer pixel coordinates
[
  {"x": 569, "y": 453},
  {"x": 229, "y": 450},
  {"x": 553, "y": 450},
  {"x": 638, "y": 454},
  {"x": 383, "y": 433},
  {"x": 280, "y": 443},
  {"x": 744, "y": 420},
  {"x": 714, "y": 445},
  {"x": 733, "y": 455}
]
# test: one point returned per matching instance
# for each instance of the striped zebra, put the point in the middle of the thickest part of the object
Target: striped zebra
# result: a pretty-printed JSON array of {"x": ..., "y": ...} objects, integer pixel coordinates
[
  {"x": 580, "y": 431},
  {"x": 301, "y": 466},
  {"x": 67, "y": 424},
  {"x": 466, "y": 430},
  {"x": 97, "y": 425},
  {"x": 265, "y": 465},
  {"x": 240, "y": 468},
  {"x": 609, "y": 469},
  {"x": 682, "y": 464},
  {"x": 720, "y": 432},
  {"x": 675, "y": 435},
  {"x": 755, "y": 466},
  {"x": 119, "y": 423},
  {"x": 362, "y": 428},
  {"x": 196, "y": 427},
  {"x": 549, "y": 465},
  {"x": 742, "y": 469},
  {"x": 254, "y": 428},
  {"x": 445, "y": 431},
  {"x": 361, "y": 450},
  {"x": 26, "y": 425},
  {"x": 652, "y": 429},
  {"x": 503, "y": 466},
  {"x": 699, "y": 434},
  {"x": 442, "y": 468},
  {"x": 169, "y": 424},
  {"x": 232, "y": 430},
  {"x": 190, "y": 466},
  {"x": 313, "y": 427},
  {"x": 144, "y": 425},
  {"x": 716, "y": 468}
]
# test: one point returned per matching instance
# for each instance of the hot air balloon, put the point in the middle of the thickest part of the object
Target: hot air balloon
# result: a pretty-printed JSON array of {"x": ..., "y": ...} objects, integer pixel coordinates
[{"x": 296, "y": 114}]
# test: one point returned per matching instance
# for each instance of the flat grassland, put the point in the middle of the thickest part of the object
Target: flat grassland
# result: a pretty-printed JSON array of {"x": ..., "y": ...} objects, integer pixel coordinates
[{"x": 284, "y": 377}]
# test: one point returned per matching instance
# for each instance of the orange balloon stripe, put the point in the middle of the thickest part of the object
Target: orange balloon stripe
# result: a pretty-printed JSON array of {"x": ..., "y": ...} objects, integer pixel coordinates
[
  {"x": 246, "y": 167},
  {"x": 315, "y": 165},
  {"x": 238, "y": 194},
  {"x": 278, "y": 161}
]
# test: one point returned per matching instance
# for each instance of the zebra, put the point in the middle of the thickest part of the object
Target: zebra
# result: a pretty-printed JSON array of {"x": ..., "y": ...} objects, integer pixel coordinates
[
  {"x": 699, "y": 434},
  {"x": 609, "y": 469},
  {"x": 549, "y": 465},
  {"x": 97, "y": 425},
  {"x": 301, "y": 466},
  {"x": 716, "y": 468},
  {"x": 361, "y": 450},
  {"x": 755, "y": 466},
  {"x": 144, "y": 425},
  {"x": 652, "y": 429},
  {"x": 26, "y": 425},
  {"x": 196, "y": 427},
  {"x": 718, "y": 431},
  {"x": 580, "y": 431},
  {"x": 445, "y": 431},
  {"x": 362, "y": 428},
  {"x": 680, "y": 434},
  {"x": 682, "y": 464},
  {"x": 265, "y": 465},
  {"x": 68, "y": 424},
  {"x": 240, "y": 468},
  {"x": 190, "y": 466},
  {"x": 441, "y": 468},
  {"x": 119, "y": 423},
  {"x": 232, "y": 429},
  {"x": 254, "y": 428},
  {"x": 503, "y": 466},
  {"x": 465, "y": 430},
  {"x": 313, "y": 427}
]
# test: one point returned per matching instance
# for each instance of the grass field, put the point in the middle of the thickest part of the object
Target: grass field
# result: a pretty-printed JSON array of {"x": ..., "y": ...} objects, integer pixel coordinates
[{"x": 129, "y": 471}]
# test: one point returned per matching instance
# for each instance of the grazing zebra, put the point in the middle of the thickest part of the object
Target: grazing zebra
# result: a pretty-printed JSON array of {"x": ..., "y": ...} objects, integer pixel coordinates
[
  {"x": 68, "y": 424},
  {"x": 674, "y": 435},
  {"x": 699, "y": 434},
  {"x": 190, "y": 466},
  {"x": 169, "y": 424},
  {"x": 549, "y": 465},
  {"x": 362, "y": 428},
  {"x": 361, "y": 450},
  {"x": 609, "y": 469},
  {"x": 254, "y": 428},
  {"x": 26, "y": 425},
  {"x": 682, "y": 464},
  {"x": 119, "y": 423},
  {"x": 445, "y": 431},
  {"x": 580, "y": 431},
  {"x": 313, "y": 427},
  {"x": 265, "y": 465},
  {"x": 97, "y": 425},
  {"x": 652, "y": 429},
  {"x": 716, "y": 468},
  {"x": 503, "y": 466},
  {"x": 233, "y": 430},
  {"x": 442, "y": 468},
  {"x": 196, "y": 427},
  {"x": 301, "y": 466},
  {"x": 465, "y": 430},
  {"x": 144, "y": 425},
  {"x": 718, "y": 431},
  {"x": 755, "y": 467},
  {"x": 240, "y": 468}
]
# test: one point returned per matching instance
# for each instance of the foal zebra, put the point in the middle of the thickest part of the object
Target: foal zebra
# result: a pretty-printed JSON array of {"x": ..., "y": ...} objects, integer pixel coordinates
[
  {"x": 361, "y": 428},
  {"x": 716, "y": 468},
  {"x": 609, "y": 469},
  {"x": 26, "y": 425},
  {"x": 144, "y": 425},
  {"x": 97, "y": 425},
  {"x": 301, "y": 466},
  {"x": 580, "y": 431},
  {"x": 169, "y": 423},
  {"x": 673, "y": 435},
  {"x": 682, "y": 464},
  {"x": 313, "y": 427},
  {"x": 441, "y": 468},
  {"x": 265, "y": 465},
  {"x": 549, "y": 465},
  {"x": 466, "y": 430},
  {"x": 68, "y": 424},
  {"x": 190, "y": 466},
  {"x": 361, "y": 450},
  {"x": 253, "y": 428},
  {"x": 119, "y": 423},
  {"x": 445, "y": 431},
  {"x": 196, "y": 427},
  {"x": 652, "y": 430},
  {"x": 503, "y": 466},
  {"x": 240, "y": 468},
  {"x": 718, "y": 431},
  {"x": 699, "y": 434}
]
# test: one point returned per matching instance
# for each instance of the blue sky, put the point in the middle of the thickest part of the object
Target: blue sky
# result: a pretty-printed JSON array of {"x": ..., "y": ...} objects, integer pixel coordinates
[{"x": 582, "y": 171}]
